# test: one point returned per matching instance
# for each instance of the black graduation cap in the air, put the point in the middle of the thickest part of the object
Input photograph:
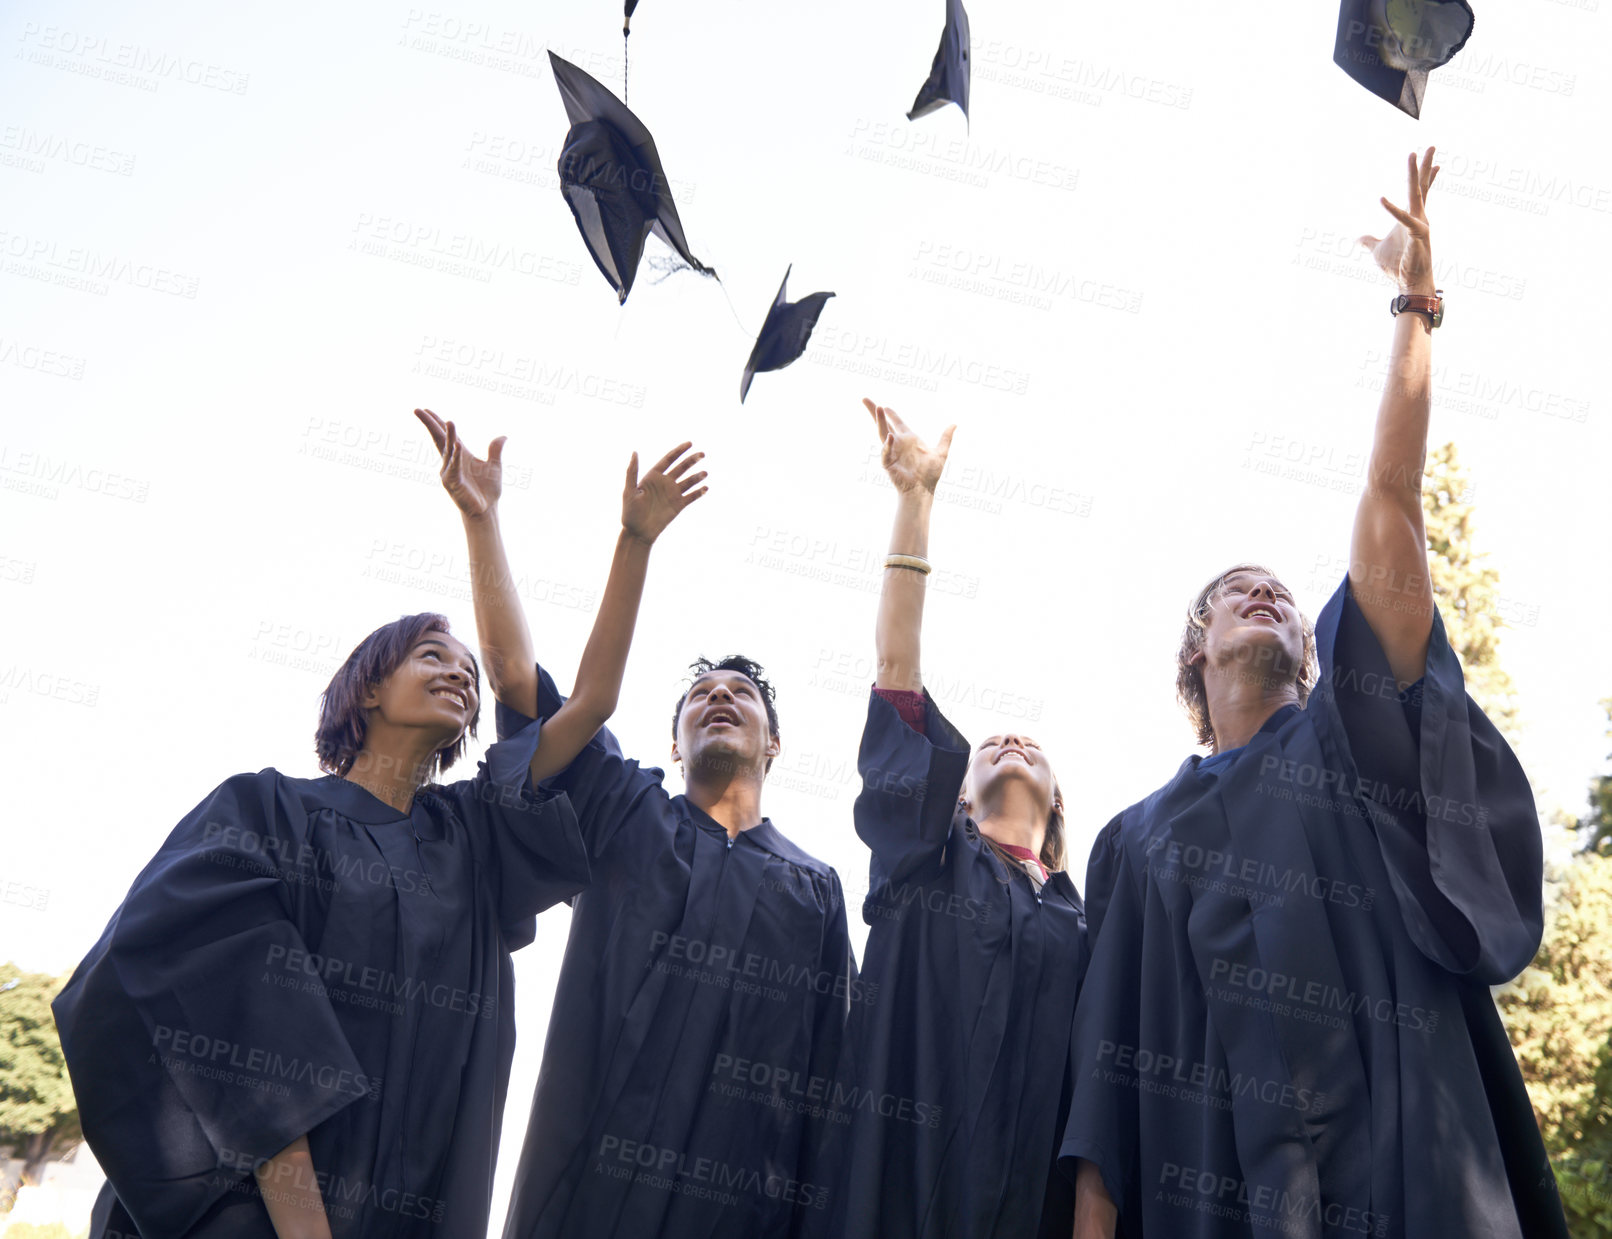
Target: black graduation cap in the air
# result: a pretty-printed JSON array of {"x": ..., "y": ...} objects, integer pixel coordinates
[
  {"x": 1389, "y": 46},
  {"x": 611, "y": 176},
  {"x": 783, "y": 336},
  {"x": 948, "y": 78}
]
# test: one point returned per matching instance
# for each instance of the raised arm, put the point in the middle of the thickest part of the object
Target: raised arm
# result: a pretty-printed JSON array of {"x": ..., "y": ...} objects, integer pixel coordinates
[
  {"x": 914, "y": 469},
  {"x": 648, "y": 505},
  {"x": 506, "y": 643},
  {"x": 1388, "y": 559}
]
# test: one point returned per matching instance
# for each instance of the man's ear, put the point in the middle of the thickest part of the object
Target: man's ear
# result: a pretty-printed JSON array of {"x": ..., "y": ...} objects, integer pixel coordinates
[
  {"x": 676, "y": 756},
  {"x": 775, "y": 745}
]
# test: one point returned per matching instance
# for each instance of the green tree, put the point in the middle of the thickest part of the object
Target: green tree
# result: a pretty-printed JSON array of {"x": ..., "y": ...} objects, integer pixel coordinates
[
  {"x": 38, "y": 1115},
  {"x": 1467, "y": 589},
  {"x": 1595, "y": 827},
  {"x": 1558, "y": 1013},
  {"x": 1559, "y": 1017}
]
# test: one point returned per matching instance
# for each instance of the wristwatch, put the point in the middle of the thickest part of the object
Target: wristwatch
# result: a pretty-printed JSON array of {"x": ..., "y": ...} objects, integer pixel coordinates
[{"x": 1412, "y": 303}]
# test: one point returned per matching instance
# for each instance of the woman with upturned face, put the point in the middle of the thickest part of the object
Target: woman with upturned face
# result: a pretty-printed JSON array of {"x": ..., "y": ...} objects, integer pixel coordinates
[
  {"x": 300, "y": 1021},
  {"x": 952, "y": 1097}
]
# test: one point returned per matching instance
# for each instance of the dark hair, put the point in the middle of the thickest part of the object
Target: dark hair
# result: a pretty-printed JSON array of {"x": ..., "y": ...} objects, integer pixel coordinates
[
  {"x": 342, "y": 723},
  {"x": 751, "y": 670},
  {"x": 1189, "y": 686}
]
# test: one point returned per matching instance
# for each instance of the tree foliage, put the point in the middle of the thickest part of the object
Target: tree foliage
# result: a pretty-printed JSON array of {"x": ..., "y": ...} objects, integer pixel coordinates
[
  {"x": 1467, "y": 588},
  {"x": 1559, "y": 1017},
  {"x": 1558, "y": 1014},
  {"x": 38, "y": 1114},
  {"x": 1595, "y": 827}
]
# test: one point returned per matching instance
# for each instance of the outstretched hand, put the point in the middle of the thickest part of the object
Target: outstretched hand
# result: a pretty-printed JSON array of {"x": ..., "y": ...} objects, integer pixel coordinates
[
  {"x": 1406, "y": 253},
  {"x": 910, "y": 462},
  {"x": 650, "y": 503},
  {"x": 474, "y": 484}
]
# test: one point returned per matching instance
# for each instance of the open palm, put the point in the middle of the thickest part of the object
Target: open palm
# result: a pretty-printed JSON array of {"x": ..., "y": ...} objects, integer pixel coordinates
[
  {"x": 474, "y": 484},
  {"x": 1406, "y": 253},
  {"x": 907, "y": 459}
]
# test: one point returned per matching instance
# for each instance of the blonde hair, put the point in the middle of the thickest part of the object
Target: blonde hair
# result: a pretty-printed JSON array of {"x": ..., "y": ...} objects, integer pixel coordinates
[{"x": 1189, "y": 686}]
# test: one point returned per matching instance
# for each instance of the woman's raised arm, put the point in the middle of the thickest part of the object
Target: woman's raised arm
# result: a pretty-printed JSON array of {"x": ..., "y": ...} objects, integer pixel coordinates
[{"x": 914, "y": 468}]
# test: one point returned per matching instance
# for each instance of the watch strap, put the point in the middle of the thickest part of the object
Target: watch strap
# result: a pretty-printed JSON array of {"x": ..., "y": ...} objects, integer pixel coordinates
[{"x": 1420, "y": 303}]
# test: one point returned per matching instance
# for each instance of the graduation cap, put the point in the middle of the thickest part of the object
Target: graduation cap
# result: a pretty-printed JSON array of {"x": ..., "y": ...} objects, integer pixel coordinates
[
  {"x": 611, "y": 176},
  {"x": 948, "y": 78},
  {"x": 783, "y": 336},
  {"x": 1389, "y": 46}
]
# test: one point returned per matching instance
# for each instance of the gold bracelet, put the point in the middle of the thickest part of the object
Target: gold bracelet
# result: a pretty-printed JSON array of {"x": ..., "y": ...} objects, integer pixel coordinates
[{"x": 915, "y": 563}]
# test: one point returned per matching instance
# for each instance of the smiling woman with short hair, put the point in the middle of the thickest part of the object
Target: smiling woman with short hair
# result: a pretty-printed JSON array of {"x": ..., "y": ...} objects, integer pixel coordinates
[{"x": 301, "y": 1019}]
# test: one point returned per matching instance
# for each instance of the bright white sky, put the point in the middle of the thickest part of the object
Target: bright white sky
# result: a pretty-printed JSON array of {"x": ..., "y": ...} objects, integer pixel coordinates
[{"x": 1131, "y": 284}]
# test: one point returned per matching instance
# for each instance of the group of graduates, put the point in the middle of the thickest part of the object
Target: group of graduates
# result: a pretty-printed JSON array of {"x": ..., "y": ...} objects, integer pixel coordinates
[{"x": 1269, "y": 1015}]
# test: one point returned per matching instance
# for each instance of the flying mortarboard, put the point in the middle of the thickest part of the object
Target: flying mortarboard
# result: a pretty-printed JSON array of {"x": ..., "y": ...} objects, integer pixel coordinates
[
  {"x": 784, "y": 334},
  {"x": 1390, "y": 46},
  {"x": 611, "y": 176},
  {"x": 948, "y": 78}
]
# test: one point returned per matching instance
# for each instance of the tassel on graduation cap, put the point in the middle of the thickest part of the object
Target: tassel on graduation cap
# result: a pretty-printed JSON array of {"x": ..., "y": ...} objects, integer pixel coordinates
[
  {"x": 612, "y": 179},
  {"x": 784, "y": 334},
  {"x": 626, "y": 29},
  {"x": 1390, "y": 46},
  {"x": 948, "y": 78}
]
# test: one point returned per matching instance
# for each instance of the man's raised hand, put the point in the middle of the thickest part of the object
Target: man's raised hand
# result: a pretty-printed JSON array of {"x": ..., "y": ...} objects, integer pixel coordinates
[
  {"x": 910, "y": 462},
  {"x": 473, "y": 483},
  {"x": 1406, "y": 253},
  {"x": 650, "y": 503}
]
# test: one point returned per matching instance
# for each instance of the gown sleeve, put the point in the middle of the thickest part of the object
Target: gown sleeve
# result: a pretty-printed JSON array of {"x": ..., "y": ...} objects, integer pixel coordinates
[
  {"x": 1452, "y": 808},
  {"x": 188, "y": 1068},
  {"x": 606, "y": 789},
  {"x": 531, "y": 839},
  {"x": 910, "y": 784},
  {"x": 1104, "y": 1124}
]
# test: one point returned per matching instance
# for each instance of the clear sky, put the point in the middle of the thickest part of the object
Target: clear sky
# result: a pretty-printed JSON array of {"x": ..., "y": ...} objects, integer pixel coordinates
[{"x": 239, "y": 245}]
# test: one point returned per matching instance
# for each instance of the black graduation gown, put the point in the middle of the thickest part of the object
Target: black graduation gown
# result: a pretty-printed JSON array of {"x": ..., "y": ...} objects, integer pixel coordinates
[
  {"x": 953, "y": 1095},
  {"x": 301, "y": 958},
  {"x": 1286, "y": 1028},
  {"x": 700, "y": 1006}
]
